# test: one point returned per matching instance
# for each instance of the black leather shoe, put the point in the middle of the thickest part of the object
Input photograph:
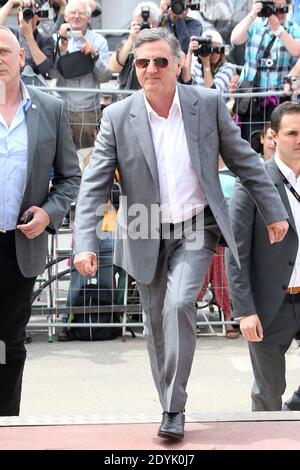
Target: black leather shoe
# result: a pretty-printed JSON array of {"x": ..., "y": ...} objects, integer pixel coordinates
[{"x": 172, "y": 425}]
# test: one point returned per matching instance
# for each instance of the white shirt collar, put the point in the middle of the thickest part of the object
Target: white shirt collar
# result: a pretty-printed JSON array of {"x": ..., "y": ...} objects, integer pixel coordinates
[
  {"x": 26, "y": 101},
  {"x": 286, "y": 170},
  {"x": 175, "y": 104}
]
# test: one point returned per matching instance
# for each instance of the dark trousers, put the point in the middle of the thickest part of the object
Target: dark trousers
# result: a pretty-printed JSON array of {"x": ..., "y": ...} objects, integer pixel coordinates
[
  {"x": 268, "y": 358},
  {"x": 15, "y": 309}
]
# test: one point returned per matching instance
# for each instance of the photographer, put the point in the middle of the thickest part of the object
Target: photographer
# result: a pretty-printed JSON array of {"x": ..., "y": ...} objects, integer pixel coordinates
[
  {"x": 52, "y": 24},
  {"x": 272, "y": 44},
  {"x": 39, "y": 47},
  {"x": 83, "y": 108},
  {"x": 179, "y": 24},
  {"x": 209, "y": 68},
  {"x": 121, "y": 61}
]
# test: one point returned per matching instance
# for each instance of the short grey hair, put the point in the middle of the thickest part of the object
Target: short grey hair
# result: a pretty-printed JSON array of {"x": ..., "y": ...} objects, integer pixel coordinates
[
  {"x": 75, "y": 3},
  {"x": 154, "y": 10},
  {"x": 158, "y": 34}
]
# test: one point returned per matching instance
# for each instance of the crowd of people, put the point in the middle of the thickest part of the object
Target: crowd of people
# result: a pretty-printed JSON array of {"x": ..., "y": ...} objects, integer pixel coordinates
[{"x": 174, "y": 147}]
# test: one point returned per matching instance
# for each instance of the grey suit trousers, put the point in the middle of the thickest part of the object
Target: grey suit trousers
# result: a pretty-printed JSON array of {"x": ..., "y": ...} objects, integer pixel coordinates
[
  {"x": 268, "y": 357},
  {"x": 169, "y": 310}
]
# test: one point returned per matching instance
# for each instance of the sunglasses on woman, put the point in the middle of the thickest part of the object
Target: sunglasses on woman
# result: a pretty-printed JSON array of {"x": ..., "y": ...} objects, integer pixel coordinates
[
  {"x": 160, "y": 63},
  {"x": 218, "y": 50}
]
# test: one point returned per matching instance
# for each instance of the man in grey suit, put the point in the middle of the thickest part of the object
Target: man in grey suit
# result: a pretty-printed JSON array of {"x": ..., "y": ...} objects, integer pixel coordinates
[
  {"x": 165, "y": 141},
  {"x": 266, "y": 291},
  {"x": 35, "y": 140}
]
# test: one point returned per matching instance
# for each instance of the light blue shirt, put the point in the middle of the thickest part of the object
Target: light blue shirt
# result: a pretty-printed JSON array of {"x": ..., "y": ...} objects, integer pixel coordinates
[{"x": 13, "y": 164}]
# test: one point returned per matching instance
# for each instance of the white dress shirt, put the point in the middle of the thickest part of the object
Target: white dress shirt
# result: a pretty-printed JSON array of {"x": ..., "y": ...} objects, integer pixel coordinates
[
  {"x": 13, "y": 164},
  {"x": 295, "y": 207},
  {"x": 181, "y": 195}
]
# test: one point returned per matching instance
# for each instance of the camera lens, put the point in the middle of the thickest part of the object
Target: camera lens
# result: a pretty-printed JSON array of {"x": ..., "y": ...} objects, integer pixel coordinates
[
  {"x": 178, "y": 7},
  {"x": 269, "y": 63},
  {"x": 28, "y": 14}
]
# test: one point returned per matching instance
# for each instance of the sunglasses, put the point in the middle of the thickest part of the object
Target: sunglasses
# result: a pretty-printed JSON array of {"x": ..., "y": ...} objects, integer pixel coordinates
[
  {"x": 218, "y": 50},
  {"x": 284, "y": 9},
  {"x": 160, "y": 63}
]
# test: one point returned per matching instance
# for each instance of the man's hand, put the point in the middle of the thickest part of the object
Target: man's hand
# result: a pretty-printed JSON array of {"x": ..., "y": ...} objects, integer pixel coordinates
[
  {"x": 63, "y": 30},
  {"x": 256, "y": 8},
  {"x": 134, "y": 30},
  {"x": 251, "y": 328},
  {"x": 40, "y": 221},
  {"x": 87, "y": 48},
  {"x": 164, "y": 5},
  {"x": 277, "y": 231},
  {"x": 86, "y": 263},
  {"x": 25, "y": 26}
]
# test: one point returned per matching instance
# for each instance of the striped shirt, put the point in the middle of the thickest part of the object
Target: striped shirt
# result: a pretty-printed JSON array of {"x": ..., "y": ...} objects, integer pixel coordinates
[
  {"x": 221, "y": 78},
  {"x": 259, "y": 37}
]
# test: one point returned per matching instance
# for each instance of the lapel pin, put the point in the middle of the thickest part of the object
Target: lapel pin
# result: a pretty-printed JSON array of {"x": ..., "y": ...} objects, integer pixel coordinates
[{"x": 33, "y": 106}]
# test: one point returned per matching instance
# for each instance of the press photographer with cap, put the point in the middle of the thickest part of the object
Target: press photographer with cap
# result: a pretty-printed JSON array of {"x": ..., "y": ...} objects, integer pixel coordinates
[
  {"x": 74, "y": 36},
  {"x": 39, "y": 47},
  {"x": 272, "y": 46},
  {"x": 206, "y": 64}
]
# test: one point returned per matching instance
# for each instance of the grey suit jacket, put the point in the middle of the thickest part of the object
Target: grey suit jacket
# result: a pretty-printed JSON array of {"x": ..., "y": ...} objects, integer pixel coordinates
[
  {"x": 259, "y": 287},
  {"x": 50, "y": 146},
  {"x": 125, "y": 141}
]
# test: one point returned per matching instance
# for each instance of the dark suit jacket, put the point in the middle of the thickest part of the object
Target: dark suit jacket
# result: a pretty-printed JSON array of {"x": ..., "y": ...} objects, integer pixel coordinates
[
  {"x": 259, "y": 287},
  {"x": 50, "y": 146}
]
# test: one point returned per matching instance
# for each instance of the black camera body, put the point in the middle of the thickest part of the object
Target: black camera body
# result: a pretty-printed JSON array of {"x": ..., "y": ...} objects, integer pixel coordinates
[
  {"x": 268, "y": 9},
  {"x": 205, "y": 46},
  {"x": 30, "y": 12},
  {"x": 267, "y": 63},
  {"x": 145, "y": 14},
  {"x": 178, "y": 6}
]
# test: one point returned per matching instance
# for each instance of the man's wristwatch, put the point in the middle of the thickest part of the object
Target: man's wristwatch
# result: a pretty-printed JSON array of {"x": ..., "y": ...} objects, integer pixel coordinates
[{"x": 279, "y": 31}]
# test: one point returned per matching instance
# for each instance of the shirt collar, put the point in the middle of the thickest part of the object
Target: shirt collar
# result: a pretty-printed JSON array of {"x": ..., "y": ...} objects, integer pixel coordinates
[
  {"x": 175, "y": 105},
  {"x": 26, "y": 100},
  {"x": 285, "y": 170}
]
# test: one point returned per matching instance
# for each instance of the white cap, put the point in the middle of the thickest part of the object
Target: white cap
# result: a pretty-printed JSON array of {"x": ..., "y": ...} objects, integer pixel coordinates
[{"x": 214, "y": 35}]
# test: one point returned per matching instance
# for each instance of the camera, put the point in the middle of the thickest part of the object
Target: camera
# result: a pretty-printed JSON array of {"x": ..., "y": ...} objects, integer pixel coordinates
[
  {"x": 30, "y": 11},
  {"x": 266, "y": 63},
  {"x": 290, "y": 79},
  {"x": 145, "y": 14},
  {"x": 268, "y": 9},
  {"x": 73, "y": 34},
  {"x": 178, "y": 6},
  {"x": 205, "y": 46}
]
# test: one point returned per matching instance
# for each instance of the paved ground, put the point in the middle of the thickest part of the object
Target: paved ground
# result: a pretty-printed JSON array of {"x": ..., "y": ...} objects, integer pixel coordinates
[
  {"x": 82, "y": 395},
  {"x": 114, "y": 377}
]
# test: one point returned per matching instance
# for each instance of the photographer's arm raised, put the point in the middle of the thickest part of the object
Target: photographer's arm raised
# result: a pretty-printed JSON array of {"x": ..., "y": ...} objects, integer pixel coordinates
[
  {"x": 119, "y": 58},
  {"x": 206, "y": 65},
  {"x": 239, "y": 33},
  {"x": 291, "y": 44},
  {"x": 26, "y": 27},
  {"x": 6, "y": 9},
  {"x": 187, "y": 68}
]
